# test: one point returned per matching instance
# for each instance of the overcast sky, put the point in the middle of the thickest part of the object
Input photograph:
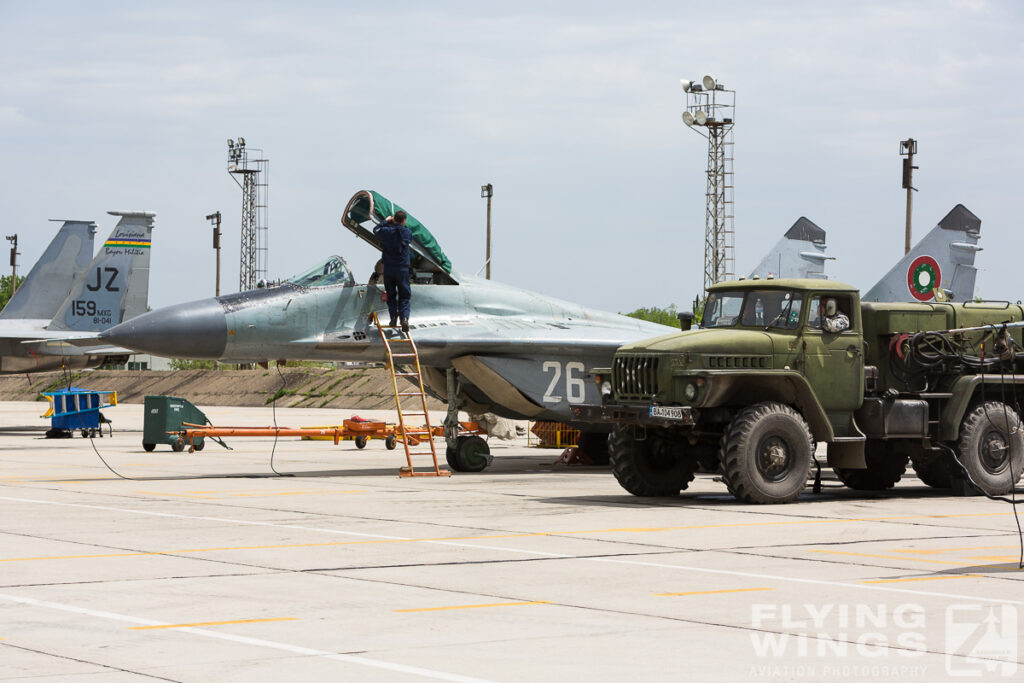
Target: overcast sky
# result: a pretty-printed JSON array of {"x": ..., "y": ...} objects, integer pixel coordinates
[{"x": 571, "y": 109}]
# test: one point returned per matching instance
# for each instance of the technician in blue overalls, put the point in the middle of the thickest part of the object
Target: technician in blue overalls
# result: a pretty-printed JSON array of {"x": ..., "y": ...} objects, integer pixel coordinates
[{"x": 394, "y": 242}]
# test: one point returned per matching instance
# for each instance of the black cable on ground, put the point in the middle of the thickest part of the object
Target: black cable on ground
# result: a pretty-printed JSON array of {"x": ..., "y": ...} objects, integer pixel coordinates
[{"x": 273, "y": 449}]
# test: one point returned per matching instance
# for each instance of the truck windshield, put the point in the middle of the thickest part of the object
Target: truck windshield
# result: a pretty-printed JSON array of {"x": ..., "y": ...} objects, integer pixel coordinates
[
  {"x": 772, "y": 308},
  {"x": 722, "y": 309}
]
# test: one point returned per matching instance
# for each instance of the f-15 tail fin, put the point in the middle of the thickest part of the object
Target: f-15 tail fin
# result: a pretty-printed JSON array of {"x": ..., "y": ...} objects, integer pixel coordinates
[
  {"x": 800, "y": 253},
  {"x": 939, "y": 267},
  {"x": 115, "y": 286},
  {"x": 52, "y": 276}
]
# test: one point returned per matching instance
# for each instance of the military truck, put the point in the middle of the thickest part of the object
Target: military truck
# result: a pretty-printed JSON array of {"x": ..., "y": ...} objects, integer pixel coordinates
[{"x": 771, "y": 372}]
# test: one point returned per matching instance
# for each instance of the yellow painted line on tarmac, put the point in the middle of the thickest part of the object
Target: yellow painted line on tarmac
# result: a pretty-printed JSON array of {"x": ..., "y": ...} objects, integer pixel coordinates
[
  {"x": 997, "y": 558},
  {"x": 955, "y": 550},
  {"x": 891, "y": 557},
  {"x": 492, "y": 604},
  {"x": 926, "y": 578},
  {"x": 211, "y": 623},
  {"x": 727, "y": 590}
]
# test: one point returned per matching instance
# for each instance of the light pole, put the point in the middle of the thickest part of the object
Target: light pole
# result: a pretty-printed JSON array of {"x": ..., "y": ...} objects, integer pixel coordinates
[
  {"x": 711, "y": 107},
  {"x": 215, "y": 219},
  {"x": 13, "y": 239},
  {"x": 487, "y": 191},
  {"x": 908, "y": 148}
]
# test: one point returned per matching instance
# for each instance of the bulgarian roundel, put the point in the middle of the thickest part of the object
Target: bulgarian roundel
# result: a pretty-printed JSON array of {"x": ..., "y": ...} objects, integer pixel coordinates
[{"x": 923, "y": 277}]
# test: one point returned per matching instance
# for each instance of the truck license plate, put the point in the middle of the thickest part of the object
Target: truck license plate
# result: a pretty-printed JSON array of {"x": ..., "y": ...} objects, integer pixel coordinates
[{"x": 670, "y": 412}]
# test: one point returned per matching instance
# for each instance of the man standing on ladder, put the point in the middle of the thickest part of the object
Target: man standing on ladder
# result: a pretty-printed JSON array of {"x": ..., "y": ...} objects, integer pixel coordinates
[{"x": 394, "y": 241}]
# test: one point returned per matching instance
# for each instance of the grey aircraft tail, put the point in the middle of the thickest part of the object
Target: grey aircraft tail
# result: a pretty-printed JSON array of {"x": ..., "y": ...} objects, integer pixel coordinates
[
  {"x": 940, "y": 267},
  {"x": 115, "y": 286},
  {"x": 51, "y": 278},
  {"x": 800, "y": 253}
]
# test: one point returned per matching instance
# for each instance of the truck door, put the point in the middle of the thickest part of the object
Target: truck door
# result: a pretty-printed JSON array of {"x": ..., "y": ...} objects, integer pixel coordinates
[{"x": 835, "y": 360}]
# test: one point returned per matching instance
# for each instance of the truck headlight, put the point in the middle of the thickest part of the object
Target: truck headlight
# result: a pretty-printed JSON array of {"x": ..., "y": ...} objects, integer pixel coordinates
[
  {"x": 606, "y": 388},
  {"x": 690, "y": 391}
]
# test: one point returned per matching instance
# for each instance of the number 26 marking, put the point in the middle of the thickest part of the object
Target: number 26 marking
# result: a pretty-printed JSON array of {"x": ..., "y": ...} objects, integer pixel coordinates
[{"x": 574, "y": 385}]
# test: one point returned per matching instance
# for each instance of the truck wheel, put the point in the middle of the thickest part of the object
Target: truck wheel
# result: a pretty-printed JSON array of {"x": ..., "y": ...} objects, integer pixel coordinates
[
  {"x": 360, "y": 441},
  {"x": 652, "y": 467},
  {"x": 766, "y": 454},
  {"x": 885, "y": 467},
  {"x": 934, "y": 469},
  {"x": 595, "y": 445},
  {"x": 991, "y": 447},
  {"x": 471, "y": 454}
]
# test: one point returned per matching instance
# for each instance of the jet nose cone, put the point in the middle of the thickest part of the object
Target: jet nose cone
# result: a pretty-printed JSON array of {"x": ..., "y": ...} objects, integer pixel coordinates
[{"x": 194, "y": 330}]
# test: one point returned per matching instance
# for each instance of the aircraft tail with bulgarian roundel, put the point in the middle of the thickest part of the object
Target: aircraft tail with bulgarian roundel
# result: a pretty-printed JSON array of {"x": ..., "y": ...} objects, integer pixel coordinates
[
  {"x": 939, "y": 268},
  {"x": 115, "y": 286}
]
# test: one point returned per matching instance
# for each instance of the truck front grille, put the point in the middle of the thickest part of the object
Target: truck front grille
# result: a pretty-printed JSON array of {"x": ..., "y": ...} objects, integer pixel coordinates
[{"x": 635, "y": 377}]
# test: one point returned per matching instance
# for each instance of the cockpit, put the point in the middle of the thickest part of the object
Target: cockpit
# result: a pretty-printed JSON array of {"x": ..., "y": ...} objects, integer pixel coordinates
[{"x": 333, "y": 271}]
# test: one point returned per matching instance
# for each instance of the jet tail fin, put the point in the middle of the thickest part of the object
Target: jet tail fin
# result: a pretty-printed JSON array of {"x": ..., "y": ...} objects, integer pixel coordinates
[
  {"x": 800, "y": 253},
  {"x": 115, "y": 286},
  {"x": 52, "y": 276},
  {"x": 939, "y": 267}
]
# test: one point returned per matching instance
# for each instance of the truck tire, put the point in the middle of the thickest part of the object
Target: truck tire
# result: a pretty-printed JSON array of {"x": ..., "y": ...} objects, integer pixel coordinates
[
  {"x": 766, "y": 454},
  {"x": 885, "y": 467},
  {"x": 652, "y": 467},
  {"x": 934, "y": 469},
  {"x": 991, "y": 447},
  {"x": 595, "y": 446}
]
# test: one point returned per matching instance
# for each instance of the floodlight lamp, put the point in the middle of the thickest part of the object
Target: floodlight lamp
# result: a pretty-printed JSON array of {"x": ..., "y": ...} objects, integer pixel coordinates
[
  {"x": 687, "y": 118},
  {"x": 241, "y": 142},
  {"x": 701, "y": 117},
  {"x": 231, "y": 143},
  {"x": 686, "y": 84},
  {"x": 695, "y": 87},
  {"x": 709, "y": 83}
]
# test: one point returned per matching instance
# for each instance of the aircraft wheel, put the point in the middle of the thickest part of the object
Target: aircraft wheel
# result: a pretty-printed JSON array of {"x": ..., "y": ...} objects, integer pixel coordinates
[
  {"x": 991, "y": 447},
  {"x": 389, "y": 442},
  {"x": 595, "y": 445},
  {"x": 471, "y": 454},
  {"x": 178, "y": 445},
  {"x": 766, "y": 454},
  {"x": 360, "y": 442},
  {"x": 651, "y": 467},
  {"x": 885, "y": 467},
  {"x": 148, "y": 447}
]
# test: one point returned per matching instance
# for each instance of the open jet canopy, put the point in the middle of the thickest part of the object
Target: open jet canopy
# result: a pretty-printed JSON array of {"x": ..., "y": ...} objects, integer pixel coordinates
[{"x": 429, "y": 264}]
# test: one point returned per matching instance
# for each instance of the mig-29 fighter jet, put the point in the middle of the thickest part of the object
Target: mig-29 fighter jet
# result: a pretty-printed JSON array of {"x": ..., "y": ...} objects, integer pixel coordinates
[
  {"x": 69, "y": 294},
  {"x": 483, "y": 346}
]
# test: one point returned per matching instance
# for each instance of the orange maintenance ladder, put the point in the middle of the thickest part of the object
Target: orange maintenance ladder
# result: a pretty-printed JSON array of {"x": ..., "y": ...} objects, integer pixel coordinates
[{"x": 404, "y": 348}]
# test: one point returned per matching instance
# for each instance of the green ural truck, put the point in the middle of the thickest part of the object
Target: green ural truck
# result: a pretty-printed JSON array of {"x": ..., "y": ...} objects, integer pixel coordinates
[{"x": 771, "y": 372}]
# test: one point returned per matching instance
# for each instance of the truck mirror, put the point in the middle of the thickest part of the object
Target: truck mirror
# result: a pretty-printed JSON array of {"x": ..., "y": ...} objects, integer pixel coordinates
[{"x": 685, "y": 320}]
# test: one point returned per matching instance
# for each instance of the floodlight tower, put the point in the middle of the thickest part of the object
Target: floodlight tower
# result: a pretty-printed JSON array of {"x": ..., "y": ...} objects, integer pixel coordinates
[
  {"x": 254, "y": 174},
  {"x": 711, "y": 111}
]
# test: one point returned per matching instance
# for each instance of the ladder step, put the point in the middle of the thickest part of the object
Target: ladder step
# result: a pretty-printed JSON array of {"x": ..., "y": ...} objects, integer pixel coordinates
[
  {"x": 407, "y": 374},
  {"x": 403, "y": 355},
  {"x": 410, "y": 393}
]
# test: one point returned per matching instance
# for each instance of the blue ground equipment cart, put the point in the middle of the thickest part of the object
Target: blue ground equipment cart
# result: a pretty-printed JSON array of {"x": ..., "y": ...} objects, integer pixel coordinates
[{"x": 75, "y": 409}]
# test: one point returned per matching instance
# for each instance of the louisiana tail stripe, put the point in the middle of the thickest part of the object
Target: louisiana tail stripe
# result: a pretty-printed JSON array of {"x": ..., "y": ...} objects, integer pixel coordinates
[{"x": 127, "y": 243}]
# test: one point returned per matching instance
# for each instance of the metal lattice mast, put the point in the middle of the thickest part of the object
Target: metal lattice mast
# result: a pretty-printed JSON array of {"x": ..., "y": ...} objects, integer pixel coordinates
[
  {"x": 712, "y": 108},
  {"x": 252, "y": 175}
]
